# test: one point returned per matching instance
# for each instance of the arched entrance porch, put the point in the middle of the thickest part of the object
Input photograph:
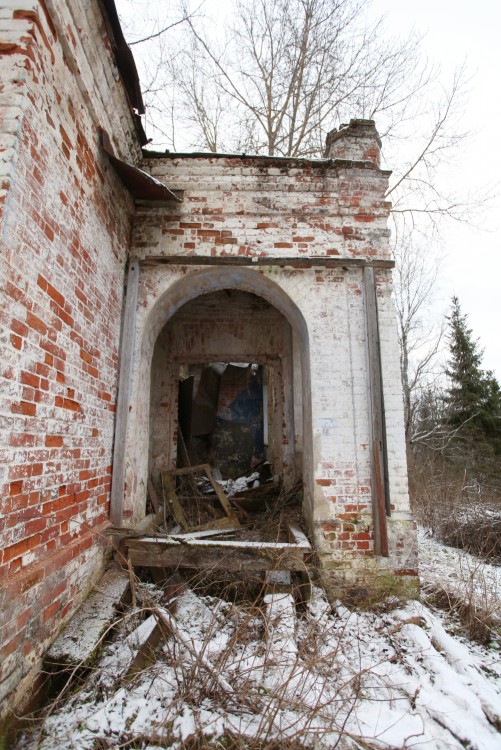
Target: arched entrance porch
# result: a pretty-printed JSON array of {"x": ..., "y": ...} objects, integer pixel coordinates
[{"x": 250, "y": 299}]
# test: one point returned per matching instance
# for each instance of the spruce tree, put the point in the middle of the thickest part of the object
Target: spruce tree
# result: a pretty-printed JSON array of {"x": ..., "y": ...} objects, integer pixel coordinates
[{"x": 473, "y": 398}]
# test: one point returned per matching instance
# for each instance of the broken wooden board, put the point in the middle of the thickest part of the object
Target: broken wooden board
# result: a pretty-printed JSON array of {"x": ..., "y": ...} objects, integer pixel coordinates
[
  {"x": 217, "y": 554},
  {"x": 172, "y": 501},
  {"x": 296, "y": 536},
  {"x": 143, "y": 641},
  {"x": 202, "y": 533},
  {"x": 256, "y": 498},
  {"x": 218, "y": 524},
  {"x": 152, "y": 494},
  {"x": 81, "y": 638},
  {"x": 175, "y": 505}
]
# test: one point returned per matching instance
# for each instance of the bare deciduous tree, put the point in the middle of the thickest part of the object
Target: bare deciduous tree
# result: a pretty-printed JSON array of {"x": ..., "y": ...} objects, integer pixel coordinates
[
  {"x": 276, "y": 75},
  {"x": 415, "y": 279},
  {"x": 294, "y": 68}
]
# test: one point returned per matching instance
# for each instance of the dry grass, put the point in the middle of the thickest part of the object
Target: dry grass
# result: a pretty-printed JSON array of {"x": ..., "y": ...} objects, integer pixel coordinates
[{"x": 459, "y": 512}]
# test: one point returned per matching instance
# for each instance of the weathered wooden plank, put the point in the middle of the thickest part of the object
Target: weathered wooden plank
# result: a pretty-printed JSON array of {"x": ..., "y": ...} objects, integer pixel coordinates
[
  {"x": 149, "y": 523},
  {"x": 124, "y": 391},
  {"x": 303, "y": 262},
  {"x": 172, "y": 500},
  {"x": 201, "y": 533},
  {"x": 377, "y": 426},
  {"x": 145, "y": 639},
  {"x": 79, "y": 641},
  {"x": 189, "y": 470},
  {"x": 218, "y": 524},
  {"x": 167, "y": 477},
  {"x": 296, "y": 536},
  {"x": 222, "y": 554},
  {"x": 153, "y": 495},
  {"x": 234, "y": 560},
  {"x": 224, "y": 544},
  {"x": 222, "y": 497}
]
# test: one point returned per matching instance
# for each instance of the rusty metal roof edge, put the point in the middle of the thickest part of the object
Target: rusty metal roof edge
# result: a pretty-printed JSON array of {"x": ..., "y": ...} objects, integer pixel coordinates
[
  {"x": 140, "y": 184},
  {"x": 124, "y": 60}
]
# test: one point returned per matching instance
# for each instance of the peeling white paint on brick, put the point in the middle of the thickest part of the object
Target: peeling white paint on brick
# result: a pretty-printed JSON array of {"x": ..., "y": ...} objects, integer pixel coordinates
[{"x": 65, "y": 225}]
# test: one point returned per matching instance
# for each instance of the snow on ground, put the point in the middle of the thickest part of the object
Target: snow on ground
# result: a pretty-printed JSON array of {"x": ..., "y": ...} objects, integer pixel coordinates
[
  {"x": 460, "y": 574},
  {"x": 394, "y": 678}
]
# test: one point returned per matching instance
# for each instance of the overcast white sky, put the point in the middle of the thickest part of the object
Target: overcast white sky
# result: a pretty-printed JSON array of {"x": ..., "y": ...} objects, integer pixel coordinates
[{"x": 455, "y": 30}]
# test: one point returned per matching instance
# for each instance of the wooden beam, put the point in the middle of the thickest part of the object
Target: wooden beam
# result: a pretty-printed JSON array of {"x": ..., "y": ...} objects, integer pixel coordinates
[
  {"x": 181, "y": 472},
  {"x": 201, "y": 554},
  {"x": 201, "y": 534},
  {"x": 296, "y": 536},
  {"x": 233, "y": 561},
  {"x": 124, "y": 391},
  {"x": 376, "y": 422},
  {"x": 323, "y": 261},
  {"x": 153, "y": 496},
  {"x": 222, "y": 497},
  {"x": 222, "y": 544}
]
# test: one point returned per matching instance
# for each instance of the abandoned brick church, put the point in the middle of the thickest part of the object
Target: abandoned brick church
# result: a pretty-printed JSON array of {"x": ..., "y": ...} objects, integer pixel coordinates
[{"x": 126, "y": 274}]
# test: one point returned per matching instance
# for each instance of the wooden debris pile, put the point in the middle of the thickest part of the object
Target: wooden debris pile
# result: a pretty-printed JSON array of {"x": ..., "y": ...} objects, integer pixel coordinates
[{"x": 238, "y": 537}]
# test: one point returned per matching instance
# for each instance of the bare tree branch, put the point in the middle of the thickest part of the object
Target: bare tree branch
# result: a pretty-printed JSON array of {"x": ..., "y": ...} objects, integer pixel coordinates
[{"x": 156, "y": 34}]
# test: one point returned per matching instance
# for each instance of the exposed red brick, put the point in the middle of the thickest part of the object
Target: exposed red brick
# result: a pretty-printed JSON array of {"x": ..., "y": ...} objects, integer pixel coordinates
[
  {"x": 53, "y": 441},
  {"x": 24, "y": 407},
  {"x": 34, "y": 322},
  {"x": 19, "y": 548},
  {"x": 16, "y": 341}
]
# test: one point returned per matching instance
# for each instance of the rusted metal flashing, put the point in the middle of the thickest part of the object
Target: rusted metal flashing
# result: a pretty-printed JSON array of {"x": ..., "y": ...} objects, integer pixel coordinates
[
  {"x": 294, "y": 262},
  {"x": 123, "y": 58},
  {"x": 141, "y": 185}
]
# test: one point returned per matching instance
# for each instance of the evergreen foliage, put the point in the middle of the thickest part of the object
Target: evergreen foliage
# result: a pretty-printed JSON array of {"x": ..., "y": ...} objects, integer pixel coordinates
[{"x": 472, "y": 399}]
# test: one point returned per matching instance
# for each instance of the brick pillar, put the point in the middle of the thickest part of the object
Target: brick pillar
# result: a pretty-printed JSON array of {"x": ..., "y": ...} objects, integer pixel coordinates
[{"x": 358, "y": 141}]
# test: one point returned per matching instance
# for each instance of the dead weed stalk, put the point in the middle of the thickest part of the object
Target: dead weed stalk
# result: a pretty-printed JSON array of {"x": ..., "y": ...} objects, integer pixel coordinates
[{"x": 225, "y": 674}]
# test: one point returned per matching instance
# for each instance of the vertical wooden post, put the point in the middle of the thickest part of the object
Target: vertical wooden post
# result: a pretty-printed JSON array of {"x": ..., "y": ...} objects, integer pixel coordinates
[
  {"x": 288, "y": 413},
  {"x": 376, "y": 422},
  {"x": 124, "y": 391}
]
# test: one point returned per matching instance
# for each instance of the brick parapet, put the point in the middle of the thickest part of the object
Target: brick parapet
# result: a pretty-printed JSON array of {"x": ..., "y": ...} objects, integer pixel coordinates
[{"x": 268, "y": 208}]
